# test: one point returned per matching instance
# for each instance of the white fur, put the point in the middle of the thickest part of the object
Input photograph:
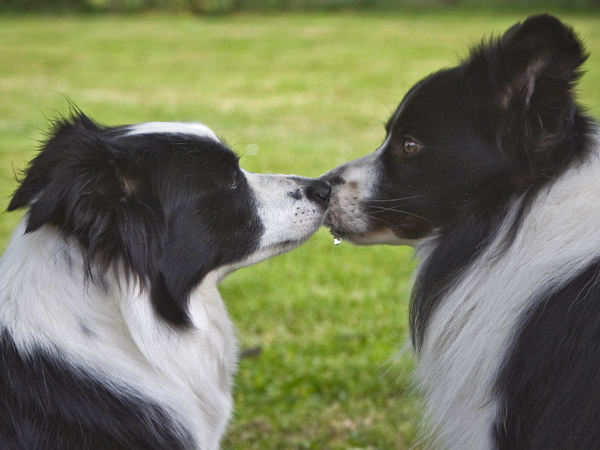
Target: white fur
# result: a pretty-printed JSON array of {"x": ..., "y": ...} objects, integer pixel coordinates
[
  {"x": 284, "y": 218},
  {"x": 288, "y": 222},
  {"x": 360, "y": 177},
  {"x": 111, "y": 330},
  {"x": 468, "y": 336},
  {"x": 117, "y": 336},
  {"x": 172, "y": 127}
]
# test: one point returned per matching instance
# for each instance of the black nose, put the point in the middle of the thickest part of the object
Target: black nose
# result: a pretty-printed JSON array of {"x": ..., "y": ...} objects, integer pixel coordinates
[{"x": 319, "y": 191}]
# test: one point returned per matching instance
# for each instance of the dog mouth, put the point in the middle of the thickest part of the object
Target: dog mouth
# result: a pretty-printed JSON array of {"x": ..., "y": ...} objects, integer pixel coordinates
[
  {"x": 371, "y": 236},
  {"x": 340, "y": 235},
  {"x": 346, "y": 221},
  {"x": 337, "y": 236},
  {"x": 349, "y": 219},
  {"x": 311, "y": 226},
  {"x": 337, "y": 233}
]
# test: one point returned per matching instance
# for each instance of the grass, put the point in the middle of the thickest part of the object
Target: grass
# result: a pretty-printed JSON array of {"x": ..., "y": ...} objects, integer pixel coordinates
[{"x": 292, "y": 94}]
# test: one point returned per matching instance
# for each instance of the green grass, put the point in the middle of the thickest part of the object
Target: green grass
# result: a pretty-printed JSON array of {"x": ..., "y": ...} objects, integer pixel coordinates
[{"x": 293, "y": 94}]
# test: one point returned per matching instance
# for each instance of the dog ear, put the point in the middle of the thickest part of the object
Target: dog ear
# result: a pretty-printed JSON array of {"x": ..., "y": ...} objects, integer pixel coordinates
[
  {"x": 522, "y": 85},
  {"x": 186, "y": 259},
  {"x": 83, "y": 183},
  {"x": 66, "y": 132},
  {"x": 540, "y": 59}
]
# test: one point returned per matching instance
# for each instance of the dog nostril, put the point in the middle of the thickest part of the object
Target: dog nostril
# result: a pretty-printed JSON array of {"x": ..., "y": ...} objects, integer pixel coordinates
[{"x": 319, "y": 191}]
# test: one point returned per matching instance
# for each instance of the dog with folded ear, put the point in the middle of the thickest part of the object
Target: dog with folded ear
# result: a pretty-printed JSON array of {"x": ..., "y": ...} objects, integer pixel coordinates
[
  {"x": 491, "y": 170},
  {"x": 113, "y": 334}
]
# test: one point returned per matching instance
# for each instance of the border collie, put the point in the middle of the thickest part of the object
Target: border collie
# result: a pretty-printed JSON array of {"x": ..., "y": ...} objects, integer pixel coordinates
[
  {"x": 113, "y": 334},
  {"x": 492, "y": 170}
]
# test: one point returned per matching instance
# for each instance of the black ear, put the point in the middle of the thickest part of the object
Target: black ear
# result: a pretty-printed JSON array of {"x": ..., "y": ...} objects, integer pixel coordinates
[
  {"x": 80, "y": 182},
  {"x": 186, "y": 259},
  {"x": 540, "y": 59},
  {"x": 83, "y": 182},
  {"x": 522, "y": 86},
  {"x": 65, "y": 133}
]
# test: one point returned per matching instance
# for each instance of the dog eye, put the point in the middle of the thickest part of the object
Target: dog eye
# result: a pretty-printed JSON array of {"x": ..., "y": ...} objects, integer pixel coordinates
[
  {"x": 233, "y": 182},
  {"x": 411, "y": 146}
]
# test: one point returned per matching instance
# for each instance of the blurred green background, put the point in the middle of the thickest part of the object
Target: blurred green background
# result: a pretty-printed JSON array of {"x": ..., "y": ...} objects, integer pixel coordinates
[
  {"x": 292, "y": 93},
  {"x": 227, "y": 6}
]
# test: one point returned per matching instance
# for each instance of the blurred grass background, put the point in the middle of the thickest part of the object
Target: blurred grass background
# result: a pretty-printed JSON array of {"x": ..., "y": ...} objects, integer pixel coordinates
[
  {"x": 228, "y": 6},
  {"x": 292, "y": 93}
]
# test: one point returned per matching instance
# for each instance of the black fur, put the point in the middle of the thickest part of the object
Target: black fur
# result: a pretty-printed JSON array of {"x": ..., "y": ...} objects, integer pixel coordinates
[
  {"x": 548, "y": 387},
  {"x": 48, "y": 406},
  {"x": 502, "y": 125},
  {"x": 121, "y": 220},
  {"x": 153, "y": 203},
  {"x": 468, "y": 152}
]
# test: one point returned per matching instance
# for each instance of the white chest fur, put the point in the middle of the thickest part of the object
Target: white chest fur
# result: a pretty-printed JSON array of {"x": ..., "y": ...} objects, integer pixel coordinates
[
  {"x": 113, "y": 333},
  {"x": 468, "y": 336}
]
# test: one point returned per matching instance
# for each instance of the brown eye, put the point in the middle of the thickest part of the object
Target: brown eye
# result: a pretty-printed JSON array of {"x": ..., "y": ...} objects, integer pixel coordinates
[
  {"x": 234, "y": 182},
  {"x": 411, "y": 146}
]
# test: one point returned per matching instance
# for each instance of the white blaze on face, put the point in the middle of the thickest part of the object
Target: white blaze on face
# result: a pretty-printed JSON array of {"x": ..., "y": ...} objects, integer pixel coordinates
[{"x": 196, "y": 129}]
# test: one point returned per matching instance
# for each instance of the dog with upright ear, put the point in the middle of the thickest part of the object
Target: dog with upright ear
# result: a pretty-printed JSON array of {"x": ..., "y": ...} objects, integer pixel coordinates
[{"x": 490, "y": 169}]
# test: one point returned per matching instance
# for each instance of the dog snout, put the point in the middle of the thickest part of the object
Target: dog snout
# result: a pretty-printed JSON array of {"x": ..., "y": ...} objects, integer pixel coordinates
[{"x": 319, "y": 191}]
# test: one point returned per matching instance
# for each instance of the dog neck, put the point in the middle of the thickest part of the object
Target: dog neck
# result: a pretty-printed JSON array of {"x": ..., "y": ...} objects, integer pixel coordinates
[
  {"x": 108, "y": 329},
  {"x": 474, "y": 323}
]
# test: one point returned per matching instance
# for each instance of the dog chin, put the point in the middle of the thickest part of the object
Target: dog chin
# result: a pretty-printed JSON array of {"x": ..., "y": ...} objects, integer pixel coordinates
[
  {"x": 377, "y": 237},
  {"x": 262, "y": 255}
]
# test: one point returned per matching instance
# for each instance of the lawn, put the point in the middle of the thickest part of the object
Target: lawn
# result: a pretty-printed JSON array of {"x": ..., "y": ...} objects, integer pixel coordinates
[{"x": 291, "y": 94}]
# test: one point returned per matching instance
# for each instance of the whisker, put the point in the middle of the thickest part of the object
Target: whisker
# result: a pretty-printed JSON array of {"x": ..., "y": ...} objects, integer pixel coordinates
[
  {"x": 381, "y": 220},
  {"x": 382, "y": 209},
  {"x": 395, "y": 199}
]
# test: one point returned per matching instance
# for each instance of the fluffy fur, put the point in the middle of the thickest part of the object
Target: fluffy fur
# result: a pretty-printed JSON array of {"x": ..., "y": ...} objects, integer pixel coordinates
[
  {"x": 492, "y": 170},
  {"x": 113, "y": 334}
]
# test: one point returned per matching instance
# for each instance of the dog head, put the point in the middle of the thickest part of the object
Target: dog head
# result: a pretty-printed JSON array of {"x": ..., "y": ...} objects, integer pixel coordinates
[
  {"x": 165, "y": 202},
  {"x": 466, "y": 141}
]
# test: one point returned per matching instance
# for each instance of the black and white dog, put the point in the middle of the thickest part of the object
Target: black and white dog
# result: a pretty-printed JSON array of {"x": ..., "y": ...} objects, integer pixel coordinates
[
  {"x": 493, "y": 171},
  {"x": 113, "y": 334}
]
